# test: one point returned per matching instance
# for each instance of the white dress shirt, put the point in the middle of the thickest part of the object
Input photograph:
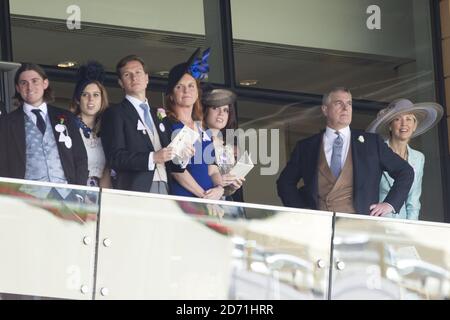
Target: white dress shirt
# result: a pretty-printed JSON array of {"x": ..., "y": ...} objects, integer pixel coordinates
[
  {"x": 328, "y": 140},
  {"x": 28, "y": 107}
]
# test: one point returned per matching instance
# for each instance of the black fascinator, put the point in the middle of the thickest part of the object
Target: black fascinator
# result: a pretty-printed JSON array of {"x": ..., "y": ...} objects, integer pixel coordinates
[{"x": 87, "y": 73}]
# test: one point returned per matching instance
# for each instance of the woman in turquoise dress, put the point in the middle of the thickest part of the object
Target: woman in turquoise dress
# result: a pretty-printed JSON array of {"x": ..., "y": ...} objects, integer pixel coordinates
[
  {"x": 398, "y": 124},
  {"x": 201, "y": 178}
]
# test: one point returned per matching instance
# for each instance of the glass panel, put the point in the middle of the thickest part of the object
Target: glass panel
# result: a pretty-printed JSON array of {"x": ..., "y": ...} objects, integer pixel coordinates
[
  {"x": 285, "y": 125},
  {"x": 47, "y": 245},
  {"x": 378, "y": 258},
  {"x": 163, "y": 32},
  {"x": 280, "y": 126},
  {"x": 63, "y": 92},
  {"x": 380, "y": 52},
  {"x": 164, "y": 247}
]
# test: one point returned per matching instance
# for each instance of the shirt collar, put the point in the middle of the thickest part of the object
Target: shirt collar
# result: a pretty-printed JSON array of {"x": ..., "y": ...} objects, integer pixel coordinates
[
  {"x": 135, "y": 101},
  {"x": 28, "y": 107},
  {"x": 330, "y": 133}
]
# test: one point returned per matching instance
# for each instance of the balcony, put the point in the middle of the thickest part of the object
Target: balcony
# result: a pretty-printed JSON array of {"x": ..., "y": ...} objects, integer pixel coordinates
[{"x": 113, "y": 244}]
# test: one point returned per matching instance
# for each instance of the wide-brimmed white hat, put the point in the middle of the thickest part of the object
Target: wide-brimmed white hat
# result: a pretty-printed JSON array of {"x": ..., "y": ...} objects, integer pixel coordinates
[{"x": 427, "y": 115}]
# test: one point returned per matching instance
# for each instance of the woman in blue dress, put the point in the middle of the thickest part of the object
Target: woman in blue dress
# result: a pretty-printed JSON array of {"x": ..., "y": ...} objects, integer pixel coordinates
[
  {"x": 201, "y": 178},
  {"x": 398, "y": 124}
]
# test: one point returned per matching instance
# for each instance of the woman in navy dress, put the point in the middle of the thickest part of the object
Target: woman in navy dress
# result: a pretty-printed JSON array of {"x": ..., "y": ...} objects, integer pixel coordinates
[{"x": 201, "y": 178}]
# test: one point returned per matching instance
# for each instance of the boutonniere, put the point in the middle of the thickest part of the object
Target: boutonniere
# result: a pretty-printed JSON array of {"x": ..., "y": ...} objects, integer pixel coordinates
[
  {"x": 361, "y": 139},
  {"x": 161, "y": 113},
  {"x": 61, "y": 119},
  {"x": 62, "y": 130}
]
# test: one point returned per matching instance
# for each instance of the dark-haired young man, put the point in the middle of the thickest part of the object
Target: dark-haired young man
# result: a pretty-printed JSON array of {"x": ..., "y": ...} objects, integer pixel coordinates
[{"x": 38, "y": 141}]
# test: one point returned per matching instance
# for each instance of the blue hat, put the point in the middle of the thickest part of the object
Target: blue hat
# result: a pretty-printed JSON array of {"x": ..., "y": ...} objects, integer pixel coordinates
[
  {"x": 87, "y": 73},
  {"x": 198, "y": 68}
]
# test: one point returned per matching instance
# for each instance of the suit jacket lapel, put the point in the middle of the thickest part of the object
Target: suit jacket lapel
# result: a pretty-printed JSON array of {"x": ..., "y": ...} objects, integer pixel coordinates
[
  {"x": 64, "y": 152},
  {"x": 129, "y": 110},
  {"x": 315, "y": 154},
  {"x": 163, "y": 137},
  {"x": 359, "y": 156},
  {"x": 18, "y": 130},
  {"x": 131, "y": 113}
]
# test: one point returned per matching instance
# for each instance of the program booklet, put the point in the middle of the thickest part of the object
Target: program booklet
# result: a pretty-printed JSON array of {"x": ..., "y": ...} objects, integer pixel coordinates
[
  {"x": 243, "y": 166},
  {"x": 185, "y": 138}
]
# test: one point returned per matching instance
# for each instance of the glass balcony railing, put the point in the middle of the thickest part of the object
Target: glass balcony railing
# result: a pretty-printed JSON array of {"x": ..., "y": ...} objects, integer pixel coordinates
[
  {"x": 47, "y": 244},
  {"x": 67, "y": 242},
  {"x": 382, "y": 258}
]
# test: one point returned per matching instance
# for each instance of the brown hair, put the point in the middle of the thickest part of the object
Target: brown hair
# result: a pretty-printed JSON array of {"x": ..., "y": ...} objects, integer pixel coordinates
[
  {"x": 197, "y": 111},
  {"x": 132, "y": 57},
  {"x": 26, "y": 66},
  {"x": 76, "y": 109},
  {"x": 231, "y": 122}
]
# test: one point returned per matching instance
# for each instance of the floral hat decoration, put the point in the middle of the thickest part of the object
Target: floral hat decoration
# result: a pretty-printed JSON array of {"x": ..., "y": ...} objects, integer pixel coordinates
[
  {"x": 427, "y": 114},
  {"x": 196, "y": 66}
]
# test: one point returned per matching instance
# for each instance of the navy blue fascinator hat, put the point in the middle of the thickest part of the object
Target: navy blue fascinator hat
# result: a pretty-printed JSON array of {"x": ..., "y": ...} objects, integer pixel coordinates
[
  {"x": 88, "y": 73},
  {"x": 196, "y": 66}
]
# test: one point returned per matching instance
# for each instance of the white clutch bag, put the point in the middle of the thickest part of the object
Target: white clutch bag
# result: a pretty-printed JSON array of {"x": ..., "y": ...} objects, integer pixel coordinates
[{"x": 185, "y": 138}]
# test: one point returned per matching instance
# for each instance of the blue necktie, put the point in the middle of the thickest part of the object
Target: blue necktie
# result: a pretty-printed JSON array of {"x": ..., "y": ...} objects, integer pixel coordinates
[
  {"x": 147, "y": 119},
  {"x": 40, "y": 123},
  {"x": 336, "y": 156}
]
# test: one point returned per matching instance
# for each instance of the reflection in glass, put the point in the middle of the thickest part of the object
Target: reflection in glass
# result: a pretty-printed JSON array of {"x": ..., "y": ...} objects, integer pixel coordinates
[
  {"x": 379, "y": 64},
  {"x": 65, "y": 203},
  {"x": 383, "y": 259},
  {"x": 47, "y": 242},
  {"x": 148, "y": 27},
  {"x": 266, "y": 254}
]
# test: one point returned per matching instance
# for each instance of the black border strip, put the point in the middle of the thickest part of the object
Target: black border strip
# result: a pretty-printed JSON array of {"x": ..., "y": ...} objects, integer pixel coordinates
[
  {"x": 97, "y": 245},
  {"x": 331, "y": 264},
  {"x": 443, "y": 132},
  {"x": 5, "y": 32}
]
